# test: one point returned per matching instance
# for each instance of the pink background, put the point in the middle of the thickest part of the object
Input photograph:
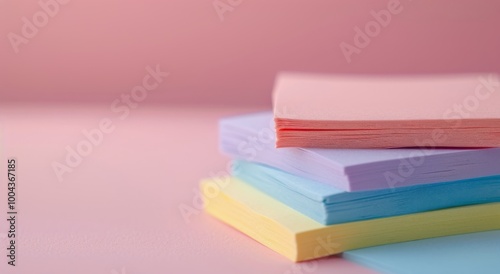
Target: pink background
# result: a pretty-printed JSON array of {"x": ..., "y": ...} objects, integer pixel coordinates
[
  {"x": 119, "y": 209},
  {"x": 94, "y": 50}
]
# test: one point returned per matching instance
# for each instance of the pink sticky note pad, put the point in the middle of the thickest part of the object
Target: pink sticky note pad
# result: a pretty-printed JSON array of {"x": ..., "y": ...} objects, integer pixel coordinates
[{"x": 387, "y": 111}]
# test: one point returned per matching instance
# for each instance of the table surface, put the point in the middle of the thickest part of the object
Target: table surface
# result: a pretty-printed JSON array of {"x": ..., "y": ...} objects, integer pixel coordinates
[{"x": 117, "y": 209}]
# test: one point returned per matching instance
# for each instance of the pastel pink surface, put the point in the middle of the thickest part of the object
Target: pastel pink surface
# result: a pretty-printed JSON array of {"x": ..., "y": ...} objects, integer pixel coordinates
[
  {"x": 118, "y": 211},
  {"x": 389, "y": 98}
]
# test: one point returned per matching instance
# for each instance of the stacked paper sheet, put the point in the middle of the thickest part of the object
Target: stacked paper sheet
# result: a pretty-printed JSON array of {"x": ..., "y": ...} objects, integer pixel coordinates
[
  {"x": 332, "y": 185},
  {"x": 377, "y": 112},
  {"x": 300, "y": 238},
  {"x": 329, "y": 205},
  {"x": 251, "y": 137}
]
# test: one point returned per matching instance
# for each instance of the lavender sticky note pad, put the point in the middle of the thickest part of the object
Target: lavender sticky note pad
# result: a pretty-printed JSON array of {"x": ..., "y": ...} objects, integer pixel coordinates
[{"x": 251, "y": 138}]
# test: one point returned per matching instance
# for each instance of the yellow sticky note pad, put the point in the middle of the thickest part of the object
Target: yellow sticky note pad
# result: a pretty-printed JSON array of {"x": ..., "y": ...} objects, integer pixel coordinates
[{"x": 300, "y": 238}]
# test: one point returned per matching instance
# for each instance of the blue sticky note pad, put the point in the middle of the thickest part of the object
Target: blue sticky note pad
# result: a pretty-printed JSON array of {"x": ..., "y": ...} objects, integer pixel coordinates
[
  {"x": 462, "y": 254},
  {"x": 329, "y": 205}
]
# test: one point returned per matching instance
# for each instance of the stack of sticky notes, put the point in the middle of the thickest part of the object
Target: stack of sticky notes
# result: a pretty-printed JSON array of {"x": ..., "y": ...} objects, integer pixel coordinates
[{"x": 317, "y": 177}]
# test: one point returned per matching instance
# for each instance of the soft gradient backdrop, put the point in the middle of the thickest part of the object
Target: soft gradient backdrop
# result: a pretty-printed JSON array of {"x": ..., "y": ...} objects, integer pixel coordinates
[{"x": 95, "y": 50}]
